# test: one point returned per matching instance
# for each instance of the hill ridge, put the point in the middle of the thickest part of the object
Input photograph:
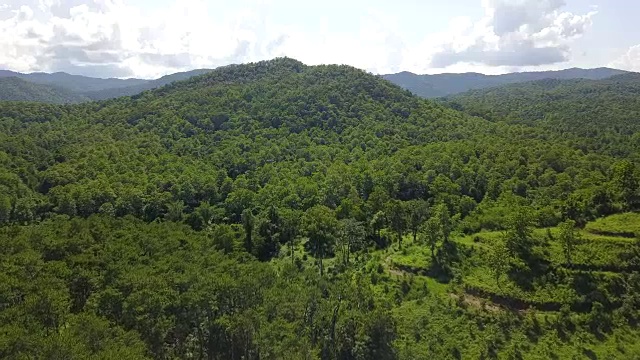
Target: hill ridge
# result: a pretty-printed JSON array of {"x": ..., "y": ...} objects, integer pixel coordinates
[{"x": 440, "y": 85}]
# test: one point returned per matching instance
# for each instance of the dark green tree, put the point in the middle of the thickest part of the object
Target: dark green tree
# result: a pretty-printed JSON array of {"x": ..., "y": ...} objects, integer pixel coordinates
[
  {"x": 498, "y": 260},
  {"x": 418, "y": 212},
  {"x": 321, "y": 227},
  {"x": 397, "y": 214},
  {"x": 625, "y": 182},
  {"x": 568, "y": 238},
  {"x": 248, "y": 223},
  {"x": 352, "y": 237}
]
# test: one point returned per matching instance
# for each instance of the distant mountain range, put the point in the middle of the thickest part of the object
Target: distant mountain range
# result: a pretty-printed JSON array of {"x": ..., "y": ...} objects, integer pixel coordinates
[
  {"x": 74, "y": 83},
  {"x": 440, "y": 85},
  {"x": 65, "y": 88},
  {"x": 16, "y": 89},
  {"x": 110, "y": 93}
]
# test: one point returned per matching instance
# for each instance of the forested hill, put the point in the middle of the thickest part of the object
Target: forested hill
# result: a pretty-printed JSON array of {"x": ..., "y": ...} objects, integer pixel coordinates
[
  {"x": 605, "y": 113},
  {"x": 275, "y": 210},
  {"x": 15, "y": 89},
  {"x": 427, "y": 86},
  {"x": 439, "y": 85}
]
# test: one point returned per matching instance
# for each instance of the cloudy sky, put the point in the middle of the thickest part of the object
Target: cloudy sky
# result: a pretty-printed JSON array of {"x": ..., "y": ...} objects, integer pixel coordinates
[{"x": 151, "y": 38}]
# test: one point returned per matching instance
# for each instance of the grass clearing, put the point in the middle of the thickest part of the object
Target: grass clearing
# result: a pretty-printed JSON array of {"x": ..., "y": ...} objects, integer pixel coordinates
[{"x": 625, "y": 225}]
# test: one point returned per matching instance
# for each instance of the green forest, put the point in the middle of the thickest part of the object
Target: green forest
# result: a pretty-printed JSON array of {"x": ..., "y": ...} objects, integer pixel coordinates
[{"x": 274, "y": 210}]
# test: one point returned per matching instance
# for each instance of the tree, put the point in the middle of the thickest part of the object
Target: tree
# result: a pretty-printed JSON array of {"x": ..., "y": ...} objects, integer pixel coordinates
[
  {"x": 268, "y": 225},
  {"x": 625, "y": 183},
  {"x": 397, "y": 218},
  {"x": 248, "y": 224},
  {"x": 432, "y": 233},
  {"x": 568, "y": 238},
  {"x": 519, "y": 234},
  {"x": 321, "y": 227},
  {"x": 441, "y": 213},
  {"x": 352, "y": 234},
  {"x": 290, "y": 228},
  {"x": 418, "y": 212},
  {"x": 377, "y": 223},
  {"x": 377, "y": 200},
  {"x": 5, "y": 208},
  {"x": 498, "y": 260},
  {"x": 175, "y": 210},
  {"x": 437, "y": 228}
]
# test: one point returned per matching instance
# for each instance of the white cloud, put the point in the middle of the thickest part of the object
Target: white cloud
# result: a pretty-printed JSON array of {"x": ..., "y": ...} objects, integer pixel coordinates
[
  {"x": 630, "y": 60},
  {"x": 512, "y": 33},
  {"x": 110, "y": 38}
]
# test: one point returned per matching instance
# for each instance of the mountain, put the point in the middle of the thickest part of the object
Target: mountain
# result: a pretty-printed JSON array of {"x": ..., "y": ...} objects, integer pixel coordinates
[
  {"x": 83, "y": 88},
  {"x": 114, "y": 92},
  {"x": 428, "y": 86},
  {"x": 275, "y": 210},
  {"x": 73, "y": 83},
  {"x": 15, "y": 89},
  {"x": 433, "y": 86},
  {"x": 591, "y": 109}
]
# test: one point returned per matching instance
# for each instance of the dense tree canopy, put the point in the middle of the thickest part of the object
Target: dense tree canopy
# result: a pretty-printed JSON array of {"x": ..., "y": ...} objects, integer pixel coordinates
[{"x": 204, "y": 219}]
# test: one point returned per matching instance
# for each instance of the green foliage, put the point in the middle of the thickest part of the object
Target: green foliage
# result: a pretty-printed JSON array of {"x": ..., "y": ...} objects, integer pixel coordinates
[
  {"x": 626, "y": 225},
  {"x": 518, "y": 237},
  {"x": 499, "y": 260},
  {"x": 568, "y": 238},
  {"x": 625, "y": 182},
  {"x": 187, "y": 222},
  {"x": 105, "y": 287},
  {"x": 321, "y": 227},
  {"x": 351, "y": 238},
  {"x": 594, "y": 115},
  {"x": 431, "y": 233}
]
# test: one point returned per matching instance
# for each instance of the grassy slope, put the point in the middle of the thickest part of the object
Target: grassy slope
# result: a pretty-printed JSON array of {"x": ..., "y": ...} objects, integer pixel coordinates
[
  {"x": 435, "y": 321},
  {"x": 620, "y": 225},
  {"x": 442, "y": 318}
]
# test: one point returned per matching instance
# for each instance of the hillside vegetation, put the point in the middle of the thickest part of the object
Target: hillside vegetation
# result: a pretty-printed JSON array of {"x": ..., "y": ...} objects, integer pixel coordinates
[
  {"x": 428, "y": 86},
  {"x": 603, "y": 114},
  {"x": 15, "y": 89},
  {"x": 275, "y": 210}
]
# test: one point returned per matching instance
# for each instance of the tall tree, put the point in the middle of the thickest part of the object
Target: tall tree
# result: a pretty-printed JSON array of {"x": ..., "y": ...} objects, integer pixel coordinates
[
  {"x": 418, "y": 212},
  {"x": 441, "y": 213},
  {"x": 625, "y": 182},
  {"x": 396, "y": 212},
  {"x": 352, "y": 235},
  {"x": 377, "y": 223},
  {"x": 498, "y": 260},
  {"x": 248, "y": 223},
  {"x": 321, "y": 227},
  {"x": 290, "y": 228},
  {"x": 432, "y": 233},
  {"x": 519, "y": 234},
  {"x": 175, "y": 210},
  {"x": 568, "y": 238}
]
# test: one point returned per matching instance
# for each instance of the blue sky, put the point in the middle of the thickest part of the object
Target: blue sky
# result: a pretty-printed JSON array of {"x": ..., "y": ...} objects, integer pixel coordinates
[{"x": 151, "y": 38}]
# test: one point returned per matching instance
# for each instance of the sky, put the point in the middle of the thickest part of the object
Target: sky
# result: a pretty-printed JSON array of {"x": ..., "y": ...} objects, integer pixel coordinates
[{"x": 151, "y": 38}]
